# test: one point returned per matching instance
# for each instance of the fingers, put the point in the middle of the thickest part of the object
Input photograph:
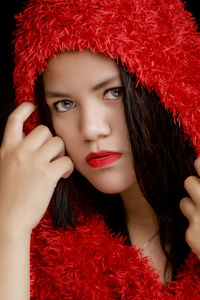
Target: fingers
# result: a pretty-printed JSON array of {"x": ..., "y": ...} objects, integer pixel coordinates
[
  {"x": 37, "y": 137},
  {"x": 51, "y": 150},
  {"x": 192, "y": 186},
  {"x": 197, "y": 165},
  {"x": 62, "y": 167},
  {"x": 14, "y": 127},
  {"x": 187, "y": 207}
]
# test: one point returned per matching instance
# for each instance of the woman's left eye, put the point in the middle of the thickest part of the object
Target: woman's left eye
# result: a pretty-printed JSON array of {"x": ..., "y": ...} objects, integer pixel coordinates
[{"x": 113, "y": 93}]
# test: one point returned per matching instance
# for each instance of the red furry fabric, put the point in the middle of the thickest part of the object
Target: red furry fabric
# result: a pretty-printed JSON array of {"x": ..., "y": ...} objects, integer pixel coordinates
[
  {"x": 157, "y": 40},
  {"x": 88, "y": 263}
]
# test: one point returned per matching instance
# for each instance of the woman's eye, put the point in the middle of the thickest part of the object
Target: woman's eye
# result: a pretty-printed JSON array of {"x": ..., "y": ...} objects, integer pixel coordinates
[
  {"x": 113, "y": 93},
  {"x": 63, "y": 105}
]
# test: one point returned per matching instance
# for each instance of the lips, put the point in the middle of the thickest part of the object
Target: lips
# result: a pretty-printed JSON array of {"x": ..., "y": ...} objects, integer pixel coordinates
[{"x": 102, "y": 158}]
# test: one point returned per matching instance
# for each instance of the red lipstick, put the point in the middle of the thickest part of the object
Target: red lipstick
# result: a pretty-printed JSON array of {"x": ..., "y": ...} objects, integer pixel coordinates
[{"x": 102, "y": 158}]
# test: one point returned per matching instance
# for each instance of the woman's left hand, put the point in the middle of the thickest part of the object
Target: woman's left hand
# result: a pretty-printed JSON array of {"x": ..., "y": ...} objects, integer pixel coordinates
[{"x": 190, "y": 207}]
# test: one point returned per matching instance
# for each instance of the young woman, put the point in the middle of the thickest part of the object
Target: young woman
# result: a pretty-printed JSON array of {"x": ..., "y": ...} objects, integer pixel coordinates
[{"x": 100, "y": 197}]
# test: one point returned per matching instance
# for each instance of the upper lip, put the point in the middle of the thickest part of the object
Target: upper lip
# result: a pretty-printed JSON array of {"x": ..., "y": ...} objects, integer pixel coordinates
[{"x": 100, "y": 154}]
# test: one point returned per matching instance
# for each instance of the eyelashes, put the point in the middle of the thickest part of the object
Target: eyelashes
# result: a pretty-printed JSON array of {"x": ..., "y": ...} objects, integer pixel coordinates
[
  {"x": 113, "y": 93},
  {"x": 110, "y": 94},
  {"x": 63, "y": 105}
]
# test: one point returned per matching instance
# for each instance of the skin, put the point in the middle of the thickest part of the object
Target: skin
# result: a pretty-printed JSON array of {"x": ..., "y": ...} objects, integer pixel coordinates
[
  {"x": 190, "y": 207},
  {"x": 76, "y": 76},
  {"x": 30, "y": 169},
  {"x": 30, "y": 166}
]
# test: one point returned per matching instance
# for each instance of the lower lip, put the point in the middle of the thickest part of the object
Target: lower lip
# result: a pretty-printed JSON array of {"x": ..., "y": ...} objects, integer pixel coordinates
[{"x": 103, "y": 161}]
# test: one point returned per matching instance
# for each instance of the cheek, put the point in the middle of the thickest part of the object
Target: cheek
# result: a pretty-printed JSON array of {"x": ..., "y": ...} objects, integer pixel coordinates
[
  {"x": 122, "y": 130},
  {"x": 67, "y": 132}
]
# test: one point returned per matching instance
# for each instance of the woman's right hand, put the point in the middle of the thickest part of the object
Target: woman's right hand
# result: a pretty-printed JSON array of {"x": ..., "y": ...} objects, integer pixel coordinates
[{"x": 30, "y": 168}]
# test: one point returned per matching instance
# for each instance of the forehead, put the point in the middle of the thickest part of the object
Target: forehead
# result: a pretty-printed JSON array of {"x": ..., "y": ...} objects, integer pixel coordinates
[{"x": 84, "y": 66}]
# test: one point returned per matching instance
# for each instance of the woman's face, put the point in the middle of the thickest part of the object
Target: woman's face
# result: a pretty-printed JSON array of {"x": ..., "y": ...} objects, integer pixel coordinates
[{"x": 84, "y": 94}]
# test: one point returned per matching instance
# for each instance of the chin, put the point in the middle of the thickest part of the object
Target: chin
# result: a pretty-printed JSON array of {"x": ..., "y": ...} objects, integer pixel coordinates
[{"x": 112, "y": 187}]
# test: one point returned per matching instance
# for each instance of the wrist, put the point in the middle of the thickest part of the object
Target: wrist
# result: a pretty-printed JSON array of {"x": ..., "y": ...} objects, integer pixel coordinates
[{"x": 9, "y": 232}]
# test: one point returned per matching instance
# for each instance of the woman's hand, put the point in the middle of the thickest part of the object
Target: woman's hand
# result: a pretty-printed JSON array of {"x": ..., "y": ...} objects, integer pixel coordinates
[
  {"x": 30, "y": 168},
  {"x": 190, "y": 207}
]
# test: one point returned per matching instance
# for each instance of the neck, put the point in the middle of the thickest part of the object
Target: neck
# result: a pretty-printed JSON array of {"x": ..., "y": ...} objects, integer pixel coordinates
[
  {"x": 142, "y": 226},
  {"x": 140, "y": 217}
]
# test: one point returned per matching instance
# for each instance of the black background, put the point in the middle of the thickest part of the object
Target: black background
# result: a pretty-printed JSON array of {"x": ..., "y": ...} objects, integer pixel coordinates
[{"x": 7, "y": 92}]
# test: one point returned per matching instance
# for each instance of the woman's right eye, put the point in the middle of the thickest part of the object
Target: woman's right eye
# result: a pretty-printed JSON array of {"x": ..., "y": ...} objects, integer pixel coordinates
[{"x": 63, "y": 105}]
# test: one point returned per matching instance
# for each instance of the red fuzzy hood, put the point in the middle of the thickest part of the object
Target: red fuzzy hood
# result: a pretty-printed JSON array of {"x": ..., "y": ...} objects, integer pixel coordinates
[{"x": 156, "y": 39}]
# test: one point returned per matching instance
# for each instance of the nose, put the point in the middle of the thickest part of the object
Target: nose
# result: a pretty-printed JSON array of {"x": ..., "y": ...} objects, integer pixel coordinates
[{"x": 94, "y": 123}]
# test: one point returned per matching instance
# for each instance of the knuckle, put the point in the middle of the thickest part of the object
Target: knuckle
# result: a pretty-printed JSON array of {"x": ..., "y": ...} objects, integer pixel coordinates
[
  {"x": 197, "y": 163},
  {"x": 195, "y": 221},
  {"x": 7, "y": 154},
  {"x": 18, "y": 156},
  {"x": 188, "y": 181},
  {"x": 189, "y": 236},
  {"x": 13, "y": 117},
  {"x": 69, "y": 163},
  {"x": 41, "y": 170},
  {"x": 45, "y": 130},
  {"x": 182, "y": 202},
  {"x": 66, "y": 163},
  {"x": 57, "y": 139},
  {"x": 46, "y": 175}
]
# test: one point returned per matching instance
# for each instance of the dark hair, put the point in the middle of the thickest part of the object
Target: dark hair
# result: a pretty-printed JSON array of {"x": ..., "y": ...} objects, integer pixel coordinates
[{"x": 163, "y": 158}]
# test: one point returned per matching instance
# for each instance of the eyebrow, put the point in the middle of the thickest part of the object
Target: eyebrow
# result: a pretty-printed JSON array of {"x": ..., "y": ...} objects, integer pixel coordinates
[
  {"x": 51, "y": 94},
  {"x": 104, "y": 83}
]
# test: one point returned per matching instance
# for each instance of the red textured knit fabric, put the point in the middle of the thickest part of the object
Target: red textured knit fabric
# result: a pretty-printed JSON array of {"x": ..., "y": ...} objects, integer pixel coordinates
[
  {"x": 88, "y": 263},
  {"x": 158, "y": 41}
]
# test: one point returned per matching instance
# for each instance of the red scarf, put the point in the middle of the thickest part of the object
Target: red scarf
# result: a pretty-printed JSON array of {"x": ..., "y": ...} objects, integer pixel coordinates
[{"x": 90, "y": 263}]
